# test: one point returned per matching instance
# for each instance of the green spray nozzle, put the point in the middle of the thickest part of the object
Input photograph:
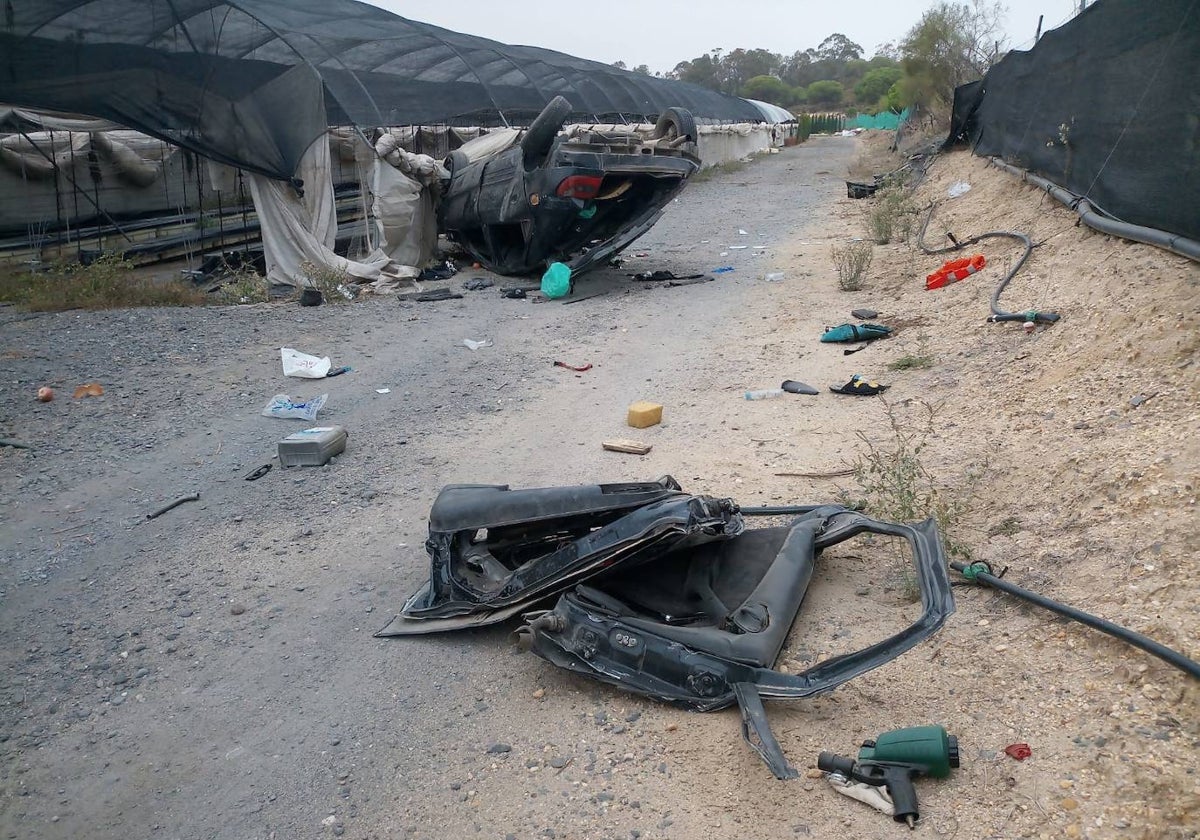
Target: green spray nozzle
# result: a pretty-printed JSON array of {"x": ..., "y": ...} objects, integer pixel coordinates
[{"x": 930, "y": 746}]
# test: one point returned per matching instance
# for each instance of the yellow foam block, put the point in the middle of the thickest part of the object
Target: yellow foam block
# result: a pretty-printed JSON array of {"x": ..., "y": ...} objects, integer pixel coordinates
[{"x": 643, "y": 414}]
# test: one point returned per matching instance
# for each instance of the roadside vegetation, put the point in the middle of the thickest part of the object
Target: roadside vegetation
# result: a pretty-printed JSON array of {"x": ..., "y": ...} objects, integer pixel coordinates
[
  {"x": 243, "y": 285},
  {"x": 333, "y": 283},
  {"x": 919, "y": 359},
  {"x": 109, "y": 282},
  {"x": 851, "y": 262},
  {"x": 891, "y": 216},
  {"x": 710, "y": 172},
  {"x": 952, "y": 43},
  {"x": 896, "y": 482}
]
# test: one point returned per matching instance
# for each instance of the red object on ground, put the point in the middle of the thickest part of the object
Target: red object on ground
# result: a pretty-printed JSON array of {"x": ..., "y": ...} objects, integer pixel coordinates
[
  {"x": 576, "y": 368},
  {"x": 955, "y": 270},
  {"x": 1018, "y": 751}
]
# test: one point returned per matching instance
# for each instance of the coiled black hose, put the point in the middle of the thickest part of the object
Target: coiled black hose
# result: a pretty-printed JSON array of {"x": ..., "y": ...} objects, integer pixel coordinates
[
  {"x": 998, "y": 314},
  {"x": 981, "y": 573}
]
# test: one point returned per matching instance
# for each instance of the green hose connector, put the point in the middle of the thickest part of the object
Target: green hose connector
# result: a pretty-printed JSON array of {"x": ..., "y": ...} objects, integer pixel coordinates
[{"x": 973, "y": 571}]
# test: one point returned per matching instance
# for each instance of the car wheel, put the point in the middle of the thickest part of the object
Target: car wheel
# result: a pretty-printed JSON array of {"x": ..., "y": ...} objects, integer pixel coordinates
[
  {"x": 676, "y": 122},
  {"x": 538, "y": 138}
]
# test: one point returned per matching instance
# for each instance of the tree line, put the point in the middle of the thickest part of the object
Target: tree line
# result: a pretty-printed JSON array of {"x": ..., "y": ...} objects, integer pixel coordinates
[{"x": 953, "y": 43}]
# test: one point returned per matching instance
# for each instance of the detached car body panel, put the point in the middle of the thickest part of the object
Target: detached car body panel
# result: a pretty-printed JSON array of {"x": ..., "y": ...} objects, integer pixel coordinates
[
  {"x": 494, "y": 552},
  {"x": 658, "y": 591}
]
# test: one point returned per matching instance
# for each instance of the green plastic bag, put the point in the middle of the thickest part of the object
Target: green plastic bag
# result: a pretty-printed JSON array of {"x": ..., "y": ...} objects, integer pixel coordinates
[{"x": 556, "y": 282}]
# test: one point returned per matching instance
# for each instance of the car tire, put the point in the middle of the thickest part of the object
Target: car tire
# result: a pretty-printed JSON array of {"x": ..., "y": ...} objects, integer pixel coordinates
[
  {"x": 457, "y": 160},
  {"x": 678, "y": 121},
  {"x": 538, "y": 138}
]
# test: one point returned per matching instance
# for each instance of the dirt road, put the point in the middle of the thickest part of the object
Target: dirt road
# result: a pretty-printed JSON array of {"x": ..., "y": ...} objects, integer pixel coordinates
[{"x": 211, "y": 673}]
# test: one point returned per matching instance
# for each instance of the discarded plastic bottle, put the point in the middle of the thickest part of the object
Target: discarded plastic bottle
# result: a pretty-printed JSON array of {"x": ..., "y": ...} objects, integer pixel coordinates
[
  {"x": 774, "y": 276},
  {"x": 765, "y": 394}
]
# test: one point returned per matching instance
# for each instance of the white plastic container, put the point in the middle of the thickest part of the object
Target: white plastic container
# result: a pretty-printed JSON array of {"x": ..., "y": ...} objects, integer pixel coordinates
[{"x": 312, "y": 447}]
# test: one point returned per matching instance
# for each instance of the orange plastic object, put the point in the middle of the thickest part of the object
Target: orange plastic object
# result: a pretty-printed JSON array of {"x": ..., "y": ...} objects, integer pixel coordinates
[
  {"x": 92, "y": 389},
  {"x": 954, "y": 271}
]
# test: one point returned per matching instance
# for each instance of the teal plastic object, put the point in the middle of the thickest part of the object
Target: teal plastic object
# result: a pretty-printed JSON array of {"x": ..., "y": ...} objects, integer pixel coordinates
[
  {"x": 856, "y": 332},
  {"x": 556, "y": 282}
]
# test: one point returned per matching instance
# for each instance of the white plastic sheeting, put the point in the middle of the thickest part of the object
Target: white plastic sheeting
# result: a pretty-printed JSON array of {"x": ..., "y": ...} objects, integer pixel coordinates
[
  {"x": 51, "y": 120},
  {"x": 773, "y": 114},
  {"x": 726, "y": 143},
  {"x": 134, "y": 157},
  {"x": 405, "y": 187},
  {"x": 301, "y": 229},
  {"x": 492, "y": 143}
]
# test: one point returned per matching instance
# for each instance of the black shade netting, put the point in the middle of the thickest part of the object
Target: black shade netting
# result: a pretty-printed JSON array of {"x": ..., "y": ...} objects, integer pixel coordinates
[
  {"x": 1107, "y": 106},
  {"x": 253, "y": 82}
]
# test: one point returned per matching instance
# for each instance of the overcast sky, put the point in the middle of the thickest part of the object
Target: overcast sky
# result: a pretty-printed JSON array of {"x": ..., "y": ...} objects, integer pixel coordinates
[{"x": 661, "y": 35}]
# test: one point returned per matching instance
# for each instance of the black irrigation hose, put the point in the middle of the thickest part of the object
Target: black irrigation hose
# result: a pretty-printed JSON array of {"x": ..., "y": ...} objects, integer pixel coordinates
[
  {"x": 998, "y": 314},
  {"x": 978, "y": 573},
  {"x": 1095, "y": 218}
]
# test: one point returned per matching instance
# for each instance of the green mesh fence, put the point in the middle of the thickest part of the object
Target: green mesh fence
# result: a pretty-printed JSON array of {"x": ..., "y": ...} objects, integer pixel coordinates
[{"x": 886, "y": 120}]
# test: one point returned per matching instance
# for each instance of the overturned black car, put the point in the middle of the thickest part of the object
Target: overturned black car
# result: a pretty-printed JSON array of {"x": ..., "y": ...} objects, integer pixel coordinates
[
  {"x": 656, "y": 590},
  {"x": 517, "y": 201}
]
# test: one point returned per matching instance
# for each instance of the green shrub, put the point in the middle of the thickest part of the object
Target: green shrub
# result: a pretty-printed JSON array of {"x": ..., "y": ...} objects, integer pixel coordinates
[
  {"x": 107, "y": 283},
  {"x": 921, "y": 358},
  {"x": 896, "y": 483},
  {"x": 334, "y": 284},
  {"x": 891, "y": 218},
  {"x": 851, "y": 263},
  {"x": 244, "y": 285}
]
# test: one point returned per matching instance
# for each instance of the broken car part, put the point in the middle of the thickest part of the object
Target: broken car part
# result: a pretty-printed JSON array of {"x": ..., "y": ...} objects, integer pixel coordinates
[
  {"x": 154, "y": 514},
  {"x": 703, "y": 624},
  {"x": 982, "y": 573},
  {"x": 431, "y": 296},
  {"x": 660, "y": 592},
  {"x": 257, "y": 473},
  {"x": 494, "y": 551}
]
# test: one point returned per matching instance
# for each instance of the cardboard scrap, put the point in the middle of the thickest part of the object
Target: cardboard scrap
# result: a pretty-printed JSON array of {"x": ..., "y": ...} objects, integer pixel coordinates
[{"x": 631, "y": 447}]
